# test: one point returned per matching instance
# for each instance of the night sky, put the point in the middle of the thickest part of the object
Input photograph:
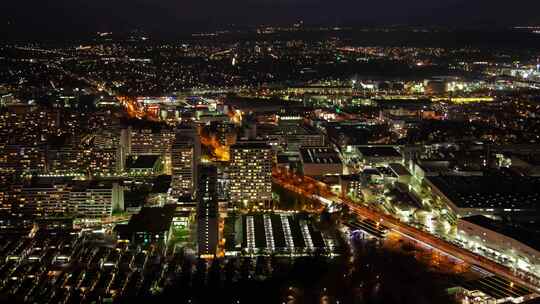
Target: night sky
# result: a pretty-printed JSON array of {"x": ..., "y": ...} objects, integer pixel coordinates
[{"x": 63, "y": 17}]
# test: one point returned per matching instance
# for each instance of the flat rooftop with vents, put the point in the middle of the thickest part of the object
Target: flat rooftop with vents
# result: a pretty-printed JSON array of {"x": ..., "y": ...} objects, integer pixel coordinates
[
  {"x": 319, "y": 161},
  {"x": 470, "y": 195},
  {"x": 379, "y": 154}
]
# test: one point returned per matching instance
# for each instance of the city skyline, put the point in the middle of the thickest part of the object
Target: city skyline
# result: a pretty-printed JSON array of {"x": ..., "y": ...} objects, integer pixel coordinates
[{"x": 270, "y": 151}]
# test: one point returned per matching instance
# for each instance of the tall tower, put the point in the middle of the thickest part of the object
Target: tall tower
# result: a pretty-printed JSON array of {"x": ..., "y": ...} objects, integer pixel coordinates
[
  {"x": 184, "y": 165},
  {"x": 191, "y": 132},
  {"x": 207, "y": 211}
]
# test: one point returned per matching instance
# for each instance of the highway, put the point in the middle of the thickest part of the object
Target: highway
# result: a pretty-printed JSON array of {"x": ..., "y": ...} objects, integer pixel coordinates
[{"x": 309, "y": 187}]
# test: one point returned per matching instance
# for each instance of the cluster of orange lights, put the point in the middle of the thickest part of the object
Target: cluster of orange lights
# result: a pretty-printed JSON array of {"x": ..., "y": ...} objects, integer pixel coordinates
[
  {"x": 220, "y": 151},
  {"x": 235, "y": 116},
  {"x": 135, "y": 110}
]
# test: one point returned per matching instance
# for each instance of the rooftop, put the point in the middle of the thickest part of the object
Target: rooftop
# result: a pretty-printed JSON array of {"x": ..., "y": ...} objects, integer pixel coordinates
[
  {"x": 398, "y": 169},
  {"x": 152, "y": 220},
  {"x": 378, "y": 151},
  {"x": 529, "y": 235},
  {"x": 250, "y": 145},
  {"x": 142, "y": 161},
  {"x": 95, "y": 184},
  {"x": 283, "y": 158},
  {"x": 319, "y": 155},
  {"x": 288, "y": 128},
  {"x": 490, "y": 191}
]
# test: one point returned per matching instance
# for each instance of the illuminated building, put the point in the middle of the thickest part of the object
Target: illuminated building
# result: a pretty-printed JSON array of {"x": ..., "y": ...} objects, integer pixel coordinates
[
  {"x": 352, "y": 185},
  {"x": 225, "y": 132},
  {"x": 90, "y": 160},
  {"x": 6, "y": 99},
  {"x": 67, "y": 160},
  {"x": 207, "y": 211},
  {"x": 22, "y": 159},
  {"x": 148, "y": 142},
  {"x": 515, "y": 196},
  {"x": 375, "y": 155},
  {"x": 95, "y": 199},
  {"x": 291, "y": 134},
  {"x": 106, "y": 161},
  {"x": 40, "y": 199},
  {"x": 275, "y": 233},
  {"x": 151, "y": 142},
  {"x": 250, "y": 172},
  {"x": 435, "y": 87},
  {"x": 63, "y": 198},
  {"x": 401, "y": 173},
  {"x": 184, "y": 164},
  {"x": 150, "y": 225},
  {"x": 144, "y": 165},
  {"x": 520, "y": 243}
]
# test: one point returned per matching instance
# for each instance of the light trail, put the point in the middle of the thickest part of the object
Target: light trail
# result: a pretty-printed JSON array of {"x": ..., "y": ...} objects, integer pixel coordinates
[
  {"x": 136, "y": 110},
  {"x": 304, "y": 185}
]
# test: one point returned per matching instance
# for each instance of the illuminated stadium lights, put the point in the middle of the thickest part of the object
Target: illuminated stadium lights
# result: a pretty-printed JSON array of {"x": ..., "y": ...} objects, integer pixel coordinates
[
  {"x": 250, "y": 225},
  {"x": 305, "y": 233},
  {"x": 287, "y": 232},
  {"x": 329, "y": 242},
  {"x": 270, "y": 244},
  {"x": 282, "y": 234}
]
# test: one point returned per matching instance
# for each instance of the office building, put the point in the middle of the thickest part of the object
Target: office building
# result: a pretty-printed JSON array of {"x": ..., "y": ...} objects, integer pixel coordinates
[
  {"x": 250, "y": 172},
  {"x": 379, "y": 155},
  {"x": 144, "y": 165},
  {"x": 95, "y": 199},
  {"x": 150, "y": 225},
  {"x": 151, "y": 142},
  {"x": 184, "y": 164},
  {"x": 71, "y": 160},
  {"x": 39, "y": 199},
  {"x": 17, "y": 159},
  {"x": 45, "y": 198}
]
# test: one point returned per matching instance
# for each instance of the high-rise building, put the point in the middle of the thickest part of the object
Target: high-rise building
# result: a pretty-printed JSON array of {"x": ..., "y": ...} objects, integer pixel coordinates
[
  {"x": 94, "y": 161},
  {"x": 193, "y": 133},
  {"x": 207, "y": 211},
  {"x": 151, "y": 142},
  {"x": 147, "y": 141},
  {"x": 184, "y": 164},
  {"x": 225, "y": 132},
  {"x": 38, "y": 199},
  {"x": 250, "y": 172},
  {"x": 17, "y": 159}
]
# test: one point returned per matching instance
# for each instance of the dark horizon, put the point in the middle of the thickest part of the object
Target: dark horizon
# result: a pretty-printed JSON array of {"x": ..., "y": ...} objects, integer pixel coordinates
[{"x": 30, "y": 19}]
